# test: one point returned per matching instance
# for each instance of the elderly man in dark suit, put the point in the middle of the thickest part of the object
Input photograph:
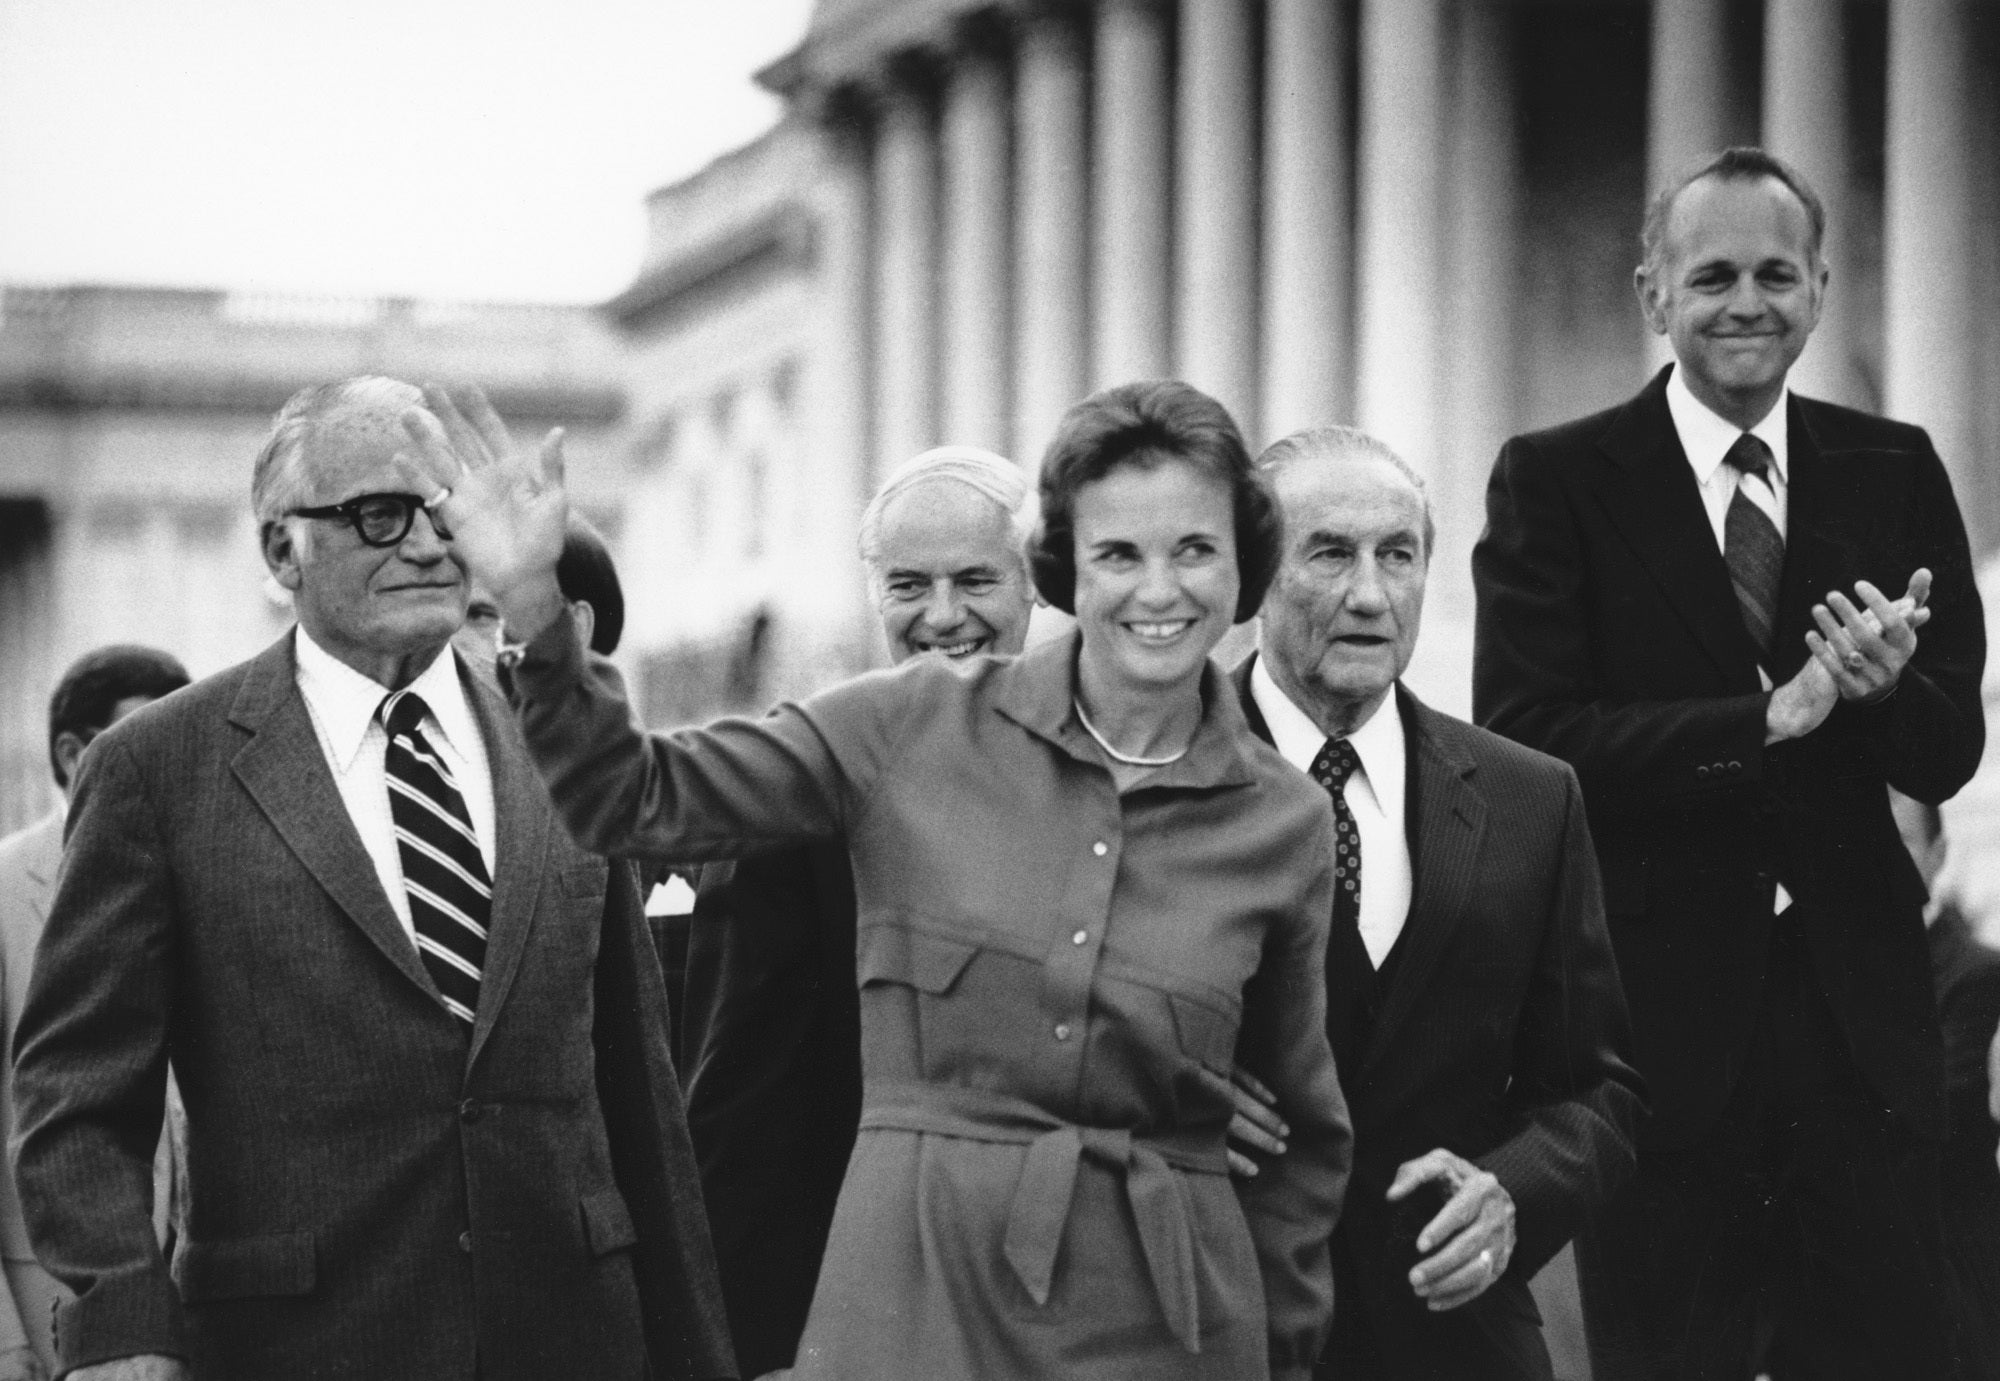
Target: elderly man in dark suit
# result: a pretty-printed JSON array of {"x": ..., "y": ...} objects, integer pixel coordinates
[
  {"x": 1472, "y": 1001},
  {"x": 432, "y": 1129},
  {"x": 771, "y": 1024},
  {"x": 1688, "y": 598}
]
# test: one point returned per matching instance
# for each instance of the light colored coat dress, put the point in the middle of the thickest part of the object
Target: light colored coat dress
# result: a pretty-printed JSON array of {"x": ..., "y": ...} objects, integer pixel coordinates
[{"x": 1055, "y": 979}]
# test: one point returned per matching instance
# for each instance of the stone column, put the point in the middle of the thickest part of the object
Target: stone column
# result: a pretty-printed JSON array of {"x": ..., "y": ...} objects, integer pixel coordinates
[
  {"x": 976, "y": 205},
  {"x": 1805, "y": 123},
  {"x": 1051, "y": 227},
  {"x": 1215, "y": 211},
  {"x": 906, "y": 268},
  {"x": 1930, "y": 323},
  {"x": 1397, "y": 278},
  {"x": 835, "y": 453},
  {"x": 1688, "y": 102},
  {"x": 1308, "y": 195},
  {"x": 1131, "y": 157}
]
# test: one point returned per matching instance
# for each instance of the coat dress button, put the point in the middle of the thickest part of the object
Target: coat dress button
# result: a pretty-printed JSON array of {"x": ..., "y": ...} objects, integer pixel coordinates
[
  {"x": 1062, "y": 1031},
  {"x": 1100, "y": 848}
]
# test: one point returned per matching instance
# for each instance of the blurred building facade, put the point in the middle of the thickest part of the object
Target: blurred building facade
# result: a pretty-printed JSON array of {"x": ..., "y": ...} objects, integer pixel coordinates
[
  {"x": 129, "y": 418},
  {"x": 1419, "y": 216}
]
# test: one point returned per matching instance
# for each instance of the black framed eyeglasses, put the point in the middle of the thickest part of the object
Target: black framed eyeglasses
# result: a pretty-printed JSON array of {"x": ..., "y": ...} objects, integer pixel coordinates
[{"x": 380, "y": 520}]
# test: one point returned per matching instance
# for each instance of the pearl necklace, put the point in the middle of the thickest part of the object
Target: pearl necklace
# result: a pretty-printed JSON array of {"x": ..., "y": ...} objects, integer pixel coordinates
[{"x": 1126, "y": 758}]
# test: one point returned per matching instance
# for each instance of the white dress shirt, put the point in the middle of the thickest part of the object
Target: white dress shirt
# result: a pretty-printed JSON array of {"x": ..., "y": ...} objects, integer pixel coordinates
[
  {"x": 346, "y": 715},
  {"x": 1375, "y": 795},
  {"x": 1706, "y": 439}
]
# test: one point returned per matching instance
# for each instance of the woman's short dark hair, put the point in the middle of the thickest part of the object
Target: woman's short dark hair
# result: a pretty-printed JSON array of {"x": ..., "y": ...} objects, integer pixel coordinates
[{"x": 1145, "y": 424}]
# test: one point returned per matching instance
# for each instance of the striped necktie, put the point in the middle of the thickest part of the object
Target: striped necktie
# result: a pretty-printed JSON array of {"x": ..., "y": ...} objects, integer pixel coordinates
[
  {"x": 1751, "y": 546},
  {"x": 451, "y": 895}
]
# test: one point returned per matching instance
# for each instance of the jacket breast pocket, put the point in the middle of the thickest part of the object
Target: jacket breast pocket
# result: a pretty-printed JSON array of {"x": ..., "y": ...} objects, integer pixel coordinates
[
  {"x": 281, "y": 1263},
  {"x": 912, "y": 979}
]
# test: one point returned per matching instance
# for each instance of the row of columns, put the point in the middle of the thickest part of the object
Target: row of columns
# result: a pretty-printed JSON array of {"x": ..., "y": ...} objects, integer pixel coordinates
[{"x": 1054, "y": 209}]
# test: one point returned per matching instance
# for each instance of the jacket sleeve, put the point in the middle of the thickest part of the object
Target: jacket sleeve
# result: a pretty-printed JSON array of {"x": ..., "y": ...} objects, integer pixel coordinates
[
  {"x": 1533, "y": 675},
  {"x": 91, "y": 1070},
  {"x": 1574, "y": 1100},
  {"x": 1927, "y": 737},
  {"x": 728, "y": 790},
  {"x": 1293, "y": 1204}
]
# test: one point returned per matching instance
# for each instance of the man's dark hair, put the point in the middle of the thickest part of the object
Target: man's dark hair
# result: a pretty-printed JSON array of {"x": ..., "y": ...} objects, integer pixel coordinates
[
  {"x": 584, "y": 572},
  {"x": 97, "y": 681},
  {"x": 1740, "y": 164}
]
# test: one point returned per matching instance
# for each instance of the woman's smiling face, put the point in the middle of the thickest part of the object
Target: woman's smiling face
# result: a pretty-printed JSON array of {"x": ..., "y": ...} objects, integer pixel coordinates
[{"x": 1156, "y": 575}]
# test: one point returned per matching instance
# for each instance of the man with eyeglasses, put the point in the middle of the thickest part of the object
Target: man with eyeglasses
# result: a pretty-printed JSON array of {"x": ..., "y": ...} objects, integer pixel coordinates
[{"x": 432, "y": 1128}]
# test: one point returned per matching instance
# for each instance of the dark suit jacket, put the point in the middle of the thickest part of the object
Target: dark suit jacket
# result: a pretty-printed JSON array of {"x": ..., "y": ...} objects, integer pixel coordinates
[
  {"x": 370, "y": 1197},
  {"x": 1609, "y": 635},
  {"x": 1502, "y": 1035},
  {"x": 772, "y": 1029}
]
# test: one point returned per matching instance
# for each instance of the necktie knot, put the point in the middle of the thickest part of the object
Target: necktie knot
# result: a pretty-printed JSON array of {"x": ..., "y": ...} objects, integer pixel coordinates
[
  {"x": 1750, "y": 456},
  {"x": 403, "y": 711},
  {"x": 1334, "y": 764}
]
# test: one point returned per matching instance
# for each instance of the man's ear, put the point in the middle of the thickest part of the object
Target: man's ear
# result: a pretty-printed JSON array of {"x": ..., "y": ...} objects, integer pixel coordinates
[
  {"x": 68, "y": 752},
  {"x": 281, "y": 552},
  {"x": 585, "y": 618},
  {"x": 1650, "y": 306}
]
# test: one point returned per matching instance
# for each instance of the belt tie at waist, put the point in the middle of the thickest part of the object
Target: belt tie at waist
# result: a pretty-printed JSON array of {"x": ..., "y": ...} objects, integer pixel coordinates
[{"x": 1040, "y": 1207}]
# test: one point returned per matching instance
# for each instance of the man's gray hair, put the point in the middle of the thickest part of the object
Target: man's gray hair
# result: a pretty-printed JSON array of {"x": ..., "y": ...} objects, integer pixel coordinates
[
  {"x": 1332, "y": 442},
  {"x": 995, "y": 477},
  {"x": 1740, "y": 164},
  {"x": 278, "y": 481}
]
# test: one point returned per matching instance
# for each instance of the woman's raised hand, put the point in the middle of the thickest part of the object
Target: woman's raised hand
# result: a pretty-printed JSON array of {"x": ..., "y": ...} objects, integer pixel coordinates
[{"x": 503, "y": 512}]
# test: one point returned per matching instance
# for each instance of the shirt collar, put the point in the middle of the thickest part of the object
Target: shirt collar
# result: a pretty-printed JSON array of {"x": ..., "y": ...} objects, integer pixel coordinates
[
  {"x": 1377, "y": 741},
  {"x": 346, "y": 702},
  {"x": 1707, "y": 437}
]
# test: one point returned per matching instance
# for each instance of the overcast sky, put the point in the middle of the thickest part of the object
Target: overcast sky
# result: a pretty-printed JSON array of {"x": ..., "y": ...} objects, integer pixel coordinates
[{"x": 487, "y": 149}]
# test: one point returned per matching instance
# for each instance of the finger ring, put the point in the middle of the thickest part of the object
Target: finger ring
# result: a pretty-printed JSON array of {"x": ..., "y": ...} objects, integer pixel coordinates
[
  {"x": 434, "y": 500},
  {"x": 1855, "y": 661},
  {"x": 1486, "y": 1259}
]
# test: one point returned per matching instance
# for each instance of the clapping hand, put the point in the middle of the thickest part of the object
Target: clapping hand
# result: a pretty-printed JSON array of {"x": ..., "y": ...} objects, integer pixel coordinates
[
  {"x": 1864, "y": 649},
  {"x": 503, "y": 513}
]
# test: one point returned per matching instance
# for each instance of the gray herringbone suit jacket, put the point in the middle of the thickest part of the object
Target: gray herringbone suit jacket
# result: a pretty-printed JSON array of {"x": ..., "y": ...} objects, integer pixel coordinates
[{"x": 370, "y": 1195}]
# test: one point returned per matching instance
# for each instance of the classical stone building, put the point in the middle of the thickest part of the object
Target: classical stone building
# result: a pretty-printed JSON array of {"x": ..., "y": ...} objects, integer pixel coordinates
[
  {"x": 129, "y": 418},
  {"x": 1416, "y": 215}
]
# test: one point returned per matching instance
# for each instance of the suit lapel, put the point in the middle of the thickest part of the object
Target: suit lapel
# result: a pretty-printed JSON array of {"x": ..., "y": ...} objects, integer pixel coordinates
[
  {"x": 1650, "y": 495},
  {"x": 285, "y": 772},
  {"x": 1449, "y": 824},
  {"x": 1812, "y": 562},
  {"x": 522, "y": 823},
  {"x": 41, "y": 863}
]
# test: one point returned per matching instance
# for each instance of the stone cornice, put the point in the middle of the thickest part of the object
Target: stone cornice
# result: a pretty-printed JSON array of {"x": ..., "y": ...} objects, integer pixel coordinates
[
  {"x": 782, "y": 240},
  {"x": 74, "y": 392}
]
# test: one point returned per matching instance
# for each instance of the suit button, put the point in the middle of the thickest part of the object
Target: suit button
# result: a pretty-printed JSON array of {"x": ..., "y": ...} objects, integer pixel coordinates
[
  {"x": 1735, "y": 767},
  {"x": 465, "y": 1241},
  {"x": 1702, "y": 773},
  {"x": 469, "y": 1111}
]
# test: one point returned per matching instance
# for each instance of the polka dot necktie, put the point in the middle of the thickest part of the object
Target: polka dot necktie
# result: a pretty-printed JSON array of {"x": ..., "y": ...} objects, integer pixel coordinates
[
  {"x": 444, "y": 874},
  {"x": 1332, "y": 767}
]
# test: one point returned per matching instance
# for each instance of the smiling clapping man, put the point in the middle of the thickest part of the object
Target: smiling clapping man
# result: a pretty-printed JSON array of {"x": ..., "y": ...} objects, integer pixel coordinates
[
  {"x": 1472, "y": 1003},
  {"x": 1650, "y": 587}
]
